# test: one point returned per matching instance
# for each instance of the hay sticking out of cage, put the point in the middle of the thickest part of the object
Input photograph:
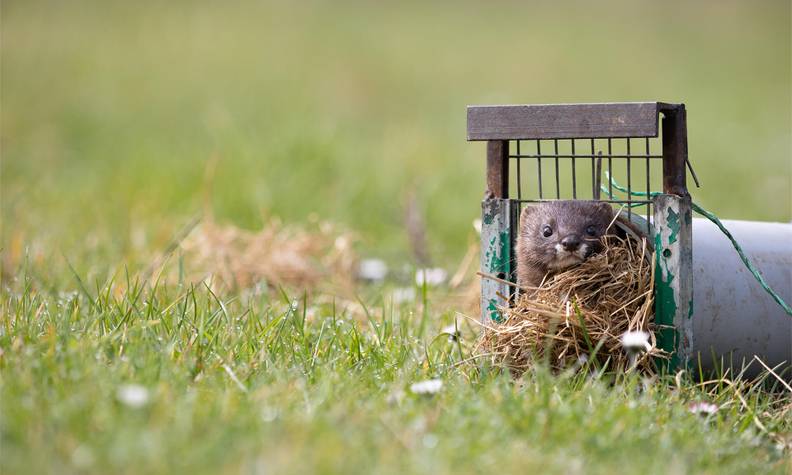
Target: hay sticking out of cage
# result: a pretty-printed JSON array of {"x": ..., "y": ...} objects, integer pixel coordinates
[{"x": 590, "y": 306}]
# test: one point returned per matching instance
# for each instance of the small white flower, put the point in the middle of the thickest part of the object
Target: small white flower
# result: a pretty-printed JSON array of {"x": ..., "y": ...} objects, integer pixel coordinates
[
  {"x": 133, "y": 395},
  {"x": 432, "y": 276},
  {"x": 452, "y": 331},
  {"x": 703, "y": 408},
  {"x": 373, "y": 270},
  {"x": 430, "y": 386},
  {"x": 636, "y": 341}
]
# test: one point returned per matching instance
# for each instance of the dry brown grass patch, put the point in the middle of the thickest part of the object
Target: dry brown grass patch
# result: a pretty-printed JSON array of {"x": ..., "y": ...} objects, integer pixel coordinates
[{"x": 318, "y": 255}]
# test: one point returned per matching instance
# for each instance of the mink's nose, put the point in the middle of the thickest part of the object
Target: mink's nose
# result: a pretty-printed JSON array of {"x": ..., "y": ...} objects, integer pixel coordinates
[{"x": 571, "y": 242}]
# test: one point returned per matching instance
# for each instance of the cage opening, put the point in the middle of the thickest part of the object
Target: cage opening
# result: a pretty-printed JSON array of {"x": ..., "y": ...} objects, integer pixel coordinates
[{"x": 555, "y": 169}]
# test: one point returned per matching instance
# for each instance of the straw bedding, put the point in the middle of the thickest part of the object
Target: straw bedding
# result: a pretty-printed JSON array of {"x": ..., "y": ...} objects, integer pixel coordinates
[{"x": 586, "y": 308}]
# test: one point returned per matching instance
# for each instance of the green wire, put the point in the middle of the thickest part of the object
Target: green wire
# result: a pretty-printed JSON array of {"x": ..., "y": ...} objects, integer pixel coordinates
[
  {"x": 744, "y": 258},
  {"x": 723, "y": 229}
]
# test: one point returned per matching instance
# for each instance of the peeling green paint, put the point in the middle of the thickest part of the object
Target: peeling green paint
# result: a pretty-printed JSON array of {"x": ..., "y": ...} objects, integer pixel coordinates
[
  {"x": 673, "y": 225},
  {"x": 494, "y": 313},
  {"x": 665, "y": 304},
  {"x": 502, "y": 264},
  {"x": 496, "y": 254},
  {"x": 670, "y": 262},
  {"x": 665, "y": 310},
  {"x": 489, "y": 255}
]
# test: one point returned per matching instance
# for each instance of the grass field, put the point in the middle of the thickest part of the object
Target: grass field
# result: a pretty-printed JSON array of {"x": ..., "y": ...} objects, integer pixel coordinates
[{"x": 122, "y": 122}]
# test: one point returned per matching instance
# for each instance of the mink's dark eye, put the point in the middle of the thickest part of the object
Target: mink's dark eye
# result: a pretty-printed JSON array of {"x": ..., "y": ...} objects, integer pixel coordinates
[
  {"x": 547, "y": 231},
  {"x": 591, "y": 231}
]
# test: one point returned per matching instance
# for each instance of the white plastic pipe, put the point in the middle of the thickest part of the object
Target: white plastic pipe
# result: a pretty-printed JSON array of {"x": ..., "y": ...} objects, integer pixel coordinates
[{"x": 733, "y": 317}]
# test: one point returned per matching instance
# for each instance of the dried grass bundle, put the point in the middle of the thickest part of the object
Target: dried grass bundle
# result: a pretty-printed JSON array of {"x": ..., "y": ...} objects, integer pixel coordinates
[
  {"x": 277, "y": 255},
  {"x": 584, "y": 308}
]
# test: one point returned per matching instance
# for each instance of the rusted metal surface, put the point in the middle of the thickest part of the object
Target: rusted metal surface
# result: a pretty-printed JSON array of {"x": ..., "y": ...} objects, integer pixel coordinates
[
  {"x": 734, "y": 319},
  {"x": 498, "y": 228},
  {"x": 673, "y": 242},
  {"x": 556, "y": 121},
  {"x": 675, "y": 149},
  {"x": 497, "y": 169}
]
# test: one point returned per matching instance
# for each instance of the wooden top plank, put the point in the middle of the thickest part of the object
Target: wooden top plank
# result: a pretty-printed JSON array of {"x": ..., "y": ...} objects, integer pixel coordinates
[{"x": 562, "y": 121}]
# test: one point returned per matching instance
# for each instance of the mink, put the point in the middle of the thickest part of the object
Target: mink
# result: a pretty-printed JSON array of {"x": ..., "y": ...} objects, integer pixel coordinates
[{"x": 556, "y": 235}]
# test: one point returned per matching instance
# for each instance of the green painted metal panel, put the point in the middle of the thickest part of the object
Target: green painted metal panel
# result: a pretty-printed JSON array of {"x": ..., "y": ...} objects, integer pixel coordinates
[
  {"x": 498, "y": 225},
  {"x": 673, "y": 240}
]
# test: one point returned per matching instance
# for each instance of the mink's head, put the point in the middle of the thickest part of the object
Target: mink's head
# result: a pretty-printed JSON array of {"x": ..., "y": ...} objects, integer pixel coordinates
[{"x": 561, "y": 234}]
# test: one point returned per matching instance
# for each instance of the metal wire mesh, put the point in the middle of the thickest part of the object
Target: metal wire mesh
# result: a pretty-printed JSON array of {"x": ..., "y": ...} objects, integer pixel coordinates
[{"x": 553, "y": 169}]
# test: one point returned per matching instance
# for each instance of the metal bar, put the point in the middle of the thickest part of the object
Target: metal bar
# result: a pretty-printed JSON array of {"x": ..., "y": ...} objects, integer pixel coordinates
[
  {"x": 574, "y": 171},
  {"x": 598, "y": 180},
  {"x": 593, "y": 166},
  {"x": 586, "y": 156},
  {"x": 675, "y": 149},
  {"x": 635, "y": 202},
  {"x": 497, "y": 169},
  {"x": 692, "y": 173},
  {"x": 558, "y": 187},
  {"x": 610, "y": 170},
  {"x": 629, "y": 181},
  {"x": 539, "y": 165},
  {"x": 558, "y": 121},
  {"x": 673, "y": 241},
  {"x": 648, "y": 186},
  {"x": 498, "y": 233},
  {"x": 519, "y": 173}
]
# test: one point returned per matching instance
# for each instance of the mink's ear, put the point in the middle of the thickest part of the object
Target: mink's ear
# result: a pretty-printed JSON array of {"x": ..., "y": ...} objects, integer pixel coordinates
[
  {"x": 527, "y": 211},
  {"x": 606, "y": 208}
]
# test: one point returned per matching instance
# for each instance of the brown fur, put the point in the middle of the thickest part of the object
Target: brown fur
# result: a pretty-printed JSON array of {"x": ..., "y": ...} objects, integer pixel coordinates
[{"x": 538, "y": 256}]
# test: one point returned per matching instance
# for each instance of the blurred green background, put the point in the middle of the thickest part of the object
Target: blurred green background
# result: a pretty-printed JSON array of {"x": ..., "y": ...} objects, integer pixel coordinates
[{"x": 111, "y": 111}]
